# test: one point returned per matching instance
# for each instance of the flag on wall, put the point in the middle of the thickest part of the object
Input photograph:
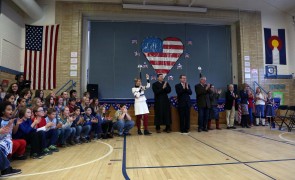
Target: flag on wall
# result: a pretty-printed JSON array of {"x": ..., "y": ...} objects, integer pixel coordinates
[
  {"x": 162, "y": 54},
  {"x": 40, "y": 56},
  {"x": 275, "y": 46}
]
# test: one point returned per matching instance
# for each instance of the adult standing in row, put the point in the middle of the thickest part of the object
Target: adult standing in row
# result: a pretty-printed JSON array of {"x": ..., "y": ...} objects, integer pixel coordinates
[
  {"x": 230, "y": 103},
  {"x": 183, "y": 91},
  {"x": 244, "y": 94},
  {"x": 140, "y": 107},
  {"x": 203, "y": 103},
  {"x": 161, "y": 90}
]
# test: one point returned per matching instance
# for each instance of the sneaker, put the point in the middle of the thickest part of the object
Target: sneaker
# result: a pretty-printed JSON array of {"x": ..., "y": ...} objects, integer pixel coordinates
[
  {"x": 53, "y": 148},
  {"x": 10, "y": 172},
  {"x": 72, "y": 143},
  {"x": 22, "y": 157},
  {"x": 77, "y": 141},
  {"x": 37, "y": 156},
  {"x": 110, "y": 135},
  {"x": 83, "y": 140},
  {"x": 46, "y": 152}
]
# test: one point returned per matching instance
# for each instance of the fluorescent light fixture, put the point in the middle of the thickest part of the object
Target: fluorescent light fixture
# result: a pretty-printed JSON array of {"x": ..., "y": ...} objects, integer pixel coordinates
[{"x": 164, "y": 8}]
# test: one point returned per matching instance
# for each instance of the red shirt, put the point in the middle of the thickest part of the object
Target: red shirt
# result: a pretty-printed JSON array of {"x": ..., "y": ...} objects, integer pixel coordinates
[
  {"x": 250, "y": 100},
  {"x": 71, "y": 108},
  {"x": 42, "y": 123}
]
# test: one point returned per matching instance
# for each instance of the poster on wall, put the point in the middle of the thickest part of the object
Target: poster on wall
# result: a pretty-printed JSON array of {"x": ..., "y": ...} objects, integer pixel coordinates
[{"x": 280, "y": 95}]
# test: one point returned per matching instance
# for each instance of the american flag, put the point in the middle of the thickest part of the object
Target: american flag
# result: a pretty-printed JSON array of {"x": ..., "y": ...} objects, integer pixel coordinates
[
  {"x": 162, "y": 54},
  {"x": 40, "y": 56}
]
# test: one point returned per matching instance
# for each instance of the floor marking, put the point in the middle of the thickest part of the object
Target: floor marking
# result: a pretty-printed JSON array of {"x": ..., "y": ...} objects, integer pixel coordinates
[
  {"x": 212, "y": 164},
  {"x": 232, "y": 157},
  {"x": 72, "y": 167},
  {"x": 285, "y": 139},
  {"x": 264, "y": 137},
  {"x": 124, "y": 172}
]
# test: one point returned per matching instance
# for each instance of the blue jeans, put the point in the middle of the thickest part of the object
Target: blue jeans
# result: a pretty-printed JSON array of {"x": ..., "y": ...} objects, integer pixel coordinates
[
  {"x": 52, "y": 136},
  {"x": 82, "y": 131},
  {"x": 64, "y": 134},
  {"x": 259, "y": 111},
  {"x": 4, "y": 161},
  {"x": 123, "y": 126},
  {"x": 203, "y": 115}
]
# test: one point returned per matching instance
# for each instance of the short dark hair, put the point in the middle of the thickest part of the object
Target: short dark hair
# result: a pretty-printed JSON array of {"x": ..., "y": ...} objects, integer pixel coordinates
[
  {"x": 76, "y": 108},
  {"x": 50, "y": 111},
  {"x": 86, "y": 108},
  {"x": 159, "y": 74},
  {"x": 72, "y": 99},
  {"x": 19, "y": 100},
  {"x": 72, "y": 92},
  {"x": 180, "y": 76},
  {"x": 7, "y": 96},
  {"x": 3, "y": 106}
]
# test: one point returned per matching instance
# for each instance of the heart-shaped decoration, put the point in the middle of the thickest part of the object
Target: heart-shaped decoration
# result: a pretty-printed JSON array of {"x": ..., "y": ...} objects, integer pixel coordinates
[{"x": 162, "y": 54}]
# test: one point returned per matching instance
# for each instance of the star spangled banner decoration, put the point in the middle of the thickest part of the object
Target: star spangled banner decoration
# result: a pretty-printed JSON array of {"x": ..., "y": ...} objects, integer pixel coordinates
[
  {"x": 162, "y": 54},
  {"x": 40, "y": 56}
]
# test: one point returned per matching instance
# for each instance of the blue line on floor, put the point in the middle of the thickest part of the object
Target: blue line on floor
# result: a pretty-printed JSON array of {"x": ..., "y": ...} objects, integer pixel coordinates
[
  {"x": 213, "y": 164},
  {"x": 124, "y": 172},
  {"x": 264, "y": 137},
  {"x": 231, "y": 157}
]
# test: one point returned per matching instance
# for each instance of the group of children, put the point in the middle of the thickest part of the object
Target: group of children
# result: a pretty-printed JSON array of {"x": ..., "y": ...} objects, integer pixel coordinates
[
  {"x": 264, "y": 107},
  {"x": 46, "y": 124}
]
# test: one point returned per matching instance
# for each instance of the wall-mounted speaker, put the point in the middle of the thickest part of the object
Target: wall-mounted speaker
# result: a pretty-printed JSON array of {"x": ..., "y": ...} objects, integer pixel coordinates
[{"x": 93, "y": 90}]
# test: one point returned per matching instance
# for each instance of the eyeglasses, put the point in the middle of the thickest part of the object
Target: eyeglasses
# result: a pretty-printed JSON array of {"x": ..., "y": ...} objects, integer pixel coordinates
[{"x": 41, "y": 111}]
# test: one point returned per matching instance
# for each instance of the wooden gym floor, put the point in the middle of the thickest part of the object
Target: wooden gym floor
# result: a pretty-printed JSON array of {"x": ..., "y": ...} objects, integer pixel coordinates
[{"x": 256, "y": 153}]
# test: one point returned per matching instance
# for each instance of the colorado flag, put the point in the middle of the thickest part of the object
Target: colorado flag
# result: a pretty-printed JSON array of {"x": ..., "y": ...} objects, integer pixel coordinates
[{"x": 275, "y": 46}]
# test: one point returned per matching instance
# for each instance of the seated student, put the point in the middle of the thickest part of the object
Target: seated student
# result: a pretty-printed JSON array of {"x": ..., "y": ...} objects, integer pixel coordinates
[
  {"x": 18, "y": 145},
  {"x": 10, "y": 98},
  {"x": 40, "y": 94},
  {"x": 85, "y": 103},
  {"x": 106, "y": 123},
  {"x": 122, "y": 121},
  {"x": 72, "y": 105},
  {"x": 73, "y": 94},
  {"x": 50, "y": 134},
  {"x": 93, "y": 121},
  {"x": 5, "y": 149},
  {"x": 82, "y": 129},
  {"x": 27, "y": 130},
  {"x": 68, "y": 132},
  {"x": 21, "y": 103},
  {"x": 51, "y": 118},
  {"x": 95, "y": 106},
  {"x": 26, "y": 94},
  {"x": 36, "y": 102},
  {"x": 49, "y": 102},
  {"x": 59, "y": 105}
]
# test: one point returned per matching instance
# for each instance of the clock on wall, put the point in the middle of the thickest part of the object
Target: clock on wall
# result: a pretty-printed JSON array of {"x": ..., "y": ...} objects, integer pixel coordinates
[{"x": 271, "y": 71}]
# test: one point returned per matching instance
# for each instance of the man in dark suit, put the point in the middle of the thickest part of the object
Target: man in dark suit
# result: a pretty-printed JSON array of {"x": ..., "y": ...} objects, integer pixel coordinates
[
  {"x": 203, "y": 103},
  {"x": 183, "y": 91}
]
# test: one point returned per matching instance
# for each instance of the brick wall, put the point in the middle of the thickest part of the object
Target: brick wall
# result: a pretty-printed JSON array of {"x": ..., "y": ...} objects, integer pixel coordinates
[{"x": 249, "y": 32}]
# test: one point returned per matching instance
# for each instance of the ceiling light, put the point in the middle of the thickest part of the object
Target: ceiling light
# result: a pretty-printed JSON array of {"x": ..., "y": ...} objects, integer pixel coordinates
[{"x": 164, "y": 8}]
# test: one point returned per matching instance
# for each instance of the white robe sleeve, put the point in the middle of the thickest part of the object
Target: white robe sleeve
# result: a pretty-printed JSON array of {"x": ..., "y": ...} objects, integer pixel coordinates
[{"x": 135, "y": 92}]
